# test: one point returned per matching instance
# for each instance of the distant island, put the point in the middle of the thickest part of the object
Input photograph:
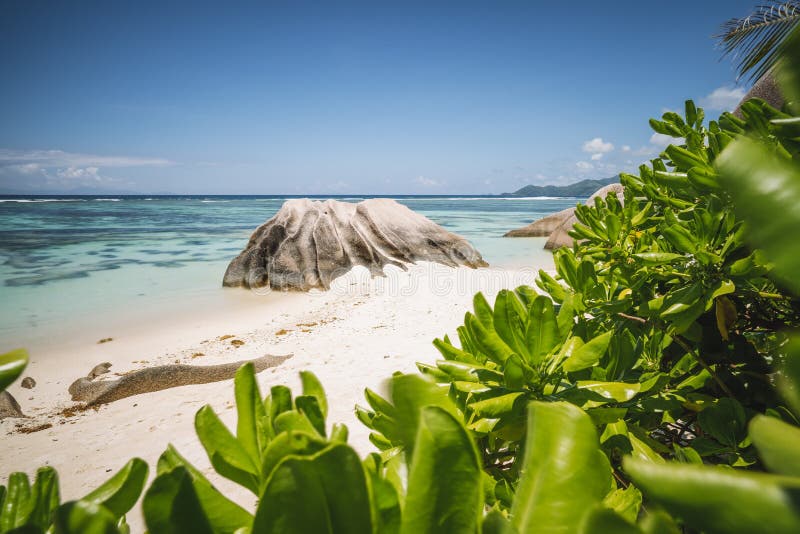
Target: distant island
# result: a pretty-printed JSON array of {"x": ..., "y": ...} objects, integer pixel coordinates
[{"x": 584, "y": 188}]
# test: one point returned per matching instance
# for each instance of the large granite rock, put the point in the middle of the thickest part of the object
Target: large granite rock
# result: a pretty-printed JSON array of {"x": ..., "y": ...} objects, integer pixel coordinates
[
  {"x": 560, "y": 236},
  {"x": 543, "y": 227},
  {"x": 767, "y": 89},
  {"x": 308, "y": 243}
]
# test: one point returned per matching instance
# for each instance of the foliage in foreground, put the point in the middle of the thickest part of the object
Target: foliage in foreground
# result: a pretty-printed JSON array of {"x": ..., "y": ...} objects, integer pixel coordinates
[
  {"x": 666, "y": 320},
  {"x": 646, "y": 375},
  {"x": 664, "y": 323}
]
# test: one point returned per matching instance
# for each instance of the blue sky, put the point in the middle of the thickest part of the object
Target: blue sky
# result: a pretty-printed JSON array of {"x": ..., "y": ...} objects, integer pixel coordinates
[{"x": 333, "y": 97}]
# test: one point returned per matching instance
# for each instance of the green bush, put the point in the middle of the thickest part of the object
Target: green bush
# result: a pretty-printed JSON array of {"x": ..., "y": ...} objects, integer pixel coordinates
[{"x": 662, "y": 322}]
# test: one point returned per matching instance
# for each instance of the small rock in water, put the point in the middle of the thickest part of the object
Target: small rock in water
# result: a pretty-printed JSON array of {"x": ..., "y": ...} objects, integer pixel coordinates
[{"x": 28, "y": 383}]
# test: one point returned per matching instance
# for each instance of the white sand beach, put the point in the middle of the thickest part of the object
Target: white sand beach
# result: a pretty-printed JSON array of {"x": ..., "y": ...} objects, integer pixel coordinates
[{"x": 353, "y": 336}]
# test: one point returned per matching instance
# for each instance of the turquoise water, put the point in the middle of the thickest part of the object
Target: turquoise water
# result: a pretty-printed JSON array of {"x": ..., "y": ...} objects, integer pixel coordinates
[{"x": 63, "y": 260}]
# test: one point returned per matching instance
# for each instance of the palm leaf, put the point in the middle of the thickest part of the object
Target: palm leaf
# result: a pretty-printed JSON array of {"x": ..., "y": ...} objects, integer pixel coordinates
[{"x": 756, "y": 41}]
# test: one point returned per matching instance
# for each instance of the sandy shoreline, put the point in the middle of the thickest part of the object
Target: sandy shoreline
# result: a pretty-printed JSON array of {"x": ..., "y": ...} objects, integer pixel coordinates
[{"x": 353, "y": 336}]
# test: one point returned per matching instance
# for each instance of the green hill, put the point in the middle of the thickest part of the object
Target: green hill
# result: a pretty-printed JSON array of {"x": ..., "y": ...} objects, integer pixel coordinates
[{"x": 584, "y": 188}]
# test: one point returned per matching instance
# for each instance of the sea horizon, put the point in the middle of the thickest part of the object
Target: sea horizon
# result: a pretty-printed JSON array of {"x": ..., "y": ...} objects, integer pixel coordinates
[{"x": 338, "y": 196}]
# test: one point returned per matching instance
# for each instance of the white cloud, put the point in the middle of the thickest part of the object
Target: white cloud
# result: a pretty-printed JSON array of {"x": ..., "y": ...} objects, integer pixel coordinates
[
  {"x": 77, "y": 172},
  {"x": 584, "y": 166},
  {"x": 597, "y": 156},
  {"x": 426, "y": 182},
  {"x": 626, "y": 148},
  {"x": 59, "y": 158},
  {"x": 597, "y": 146},
  {"x": 723, "y": 98},
  {"x": 68, "y": 169}
]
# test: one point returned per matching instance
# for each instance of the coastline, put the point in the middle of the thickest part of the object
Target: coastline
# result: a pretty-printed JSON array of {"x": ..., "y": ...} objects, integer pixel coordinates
[{"x": 353, "y": 336}]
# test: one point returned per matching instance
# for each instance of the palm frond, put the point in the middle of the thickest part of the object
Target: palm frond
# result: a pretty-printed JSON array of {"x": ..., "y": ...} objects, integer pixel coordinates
[{"x": 756, "y": 41}]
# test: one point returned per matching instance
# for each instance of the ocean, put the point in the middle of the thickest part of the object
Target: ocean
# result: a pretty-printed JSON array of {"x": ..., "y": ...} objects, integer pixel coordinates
[{"x": 70, "y": 261}]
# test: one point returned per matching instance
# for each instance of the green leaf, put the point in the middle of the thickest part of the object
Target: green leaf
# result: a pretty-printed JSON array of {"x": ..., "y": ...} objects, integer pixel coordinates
[
  {"x": 84, "y": 517},
  {"x": 789, "y": 379},
  {"x": 508, "y": 321},
  {"x": 120, "y": 492},
  {"x": 312, "y": 387},
  {"x": 249, "y": 410},
  {"x": 680, "y": 238},
  {"x": 326, "y": 492},
  {"x": 777, "y": 443},
  {"x": 601, "y": 520},
  {"x": 618, "y": 391},
  {"x": 659, "y": 522},
  {"x": 294, "y": 421},
  {"x": 469, "y": 372},
  {"x": 565, "y": 319},
  {"x": 171, "y": 505},
  {"x": 626, "y": 502},
  {"x": 309, "y": 406},
  {"x": 588, "y": 354},
  {"x": 444, "y": 481},
  {"x": 488, "y": 340},
  {"x": 766, "y": 191},
  {"x": 411, "y": 394},
  {"x": 280, "y": 401},
  {"x": 15, "y": 505},
  {"x": 684, "y": 159},
  {"x": 223, "y": 514},
  {"x": 496, "y": 523},
  {"x": 44, "y": 499},
  {"x": 11, "y": 366},
  {"x": 385, "y": 500},
  {"x": 718, "y": 500},
  {"x": 452, "y": 353},
  {"x": 226, "y": 453},
  {"x": 496, "y": 407},
  {"x": 570, "y": 347},
  {"x": 551, "y": 285},
  {"x": 725, "y": 421},
  {"x": 563, "y": 471},
  {"x": 378, "y": 403},
  {"x": 483, "y": 311},
  {"x": 703, "y": 179},
  {"x": 339, "y": 433},
  {"x": 293, "y": 443},
  {"x": 515, "y": 372},
  {"x": 658, "y": 258},
  {"x": 542, "y": 334}
]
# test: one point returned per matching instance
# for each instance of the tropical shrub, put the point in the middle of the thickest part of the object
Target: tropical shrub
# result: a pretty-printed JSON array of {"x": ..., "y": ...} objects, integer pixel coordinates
[
  {"x": 307, "y": 482},
  {"x": 664, "y": 321}
]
